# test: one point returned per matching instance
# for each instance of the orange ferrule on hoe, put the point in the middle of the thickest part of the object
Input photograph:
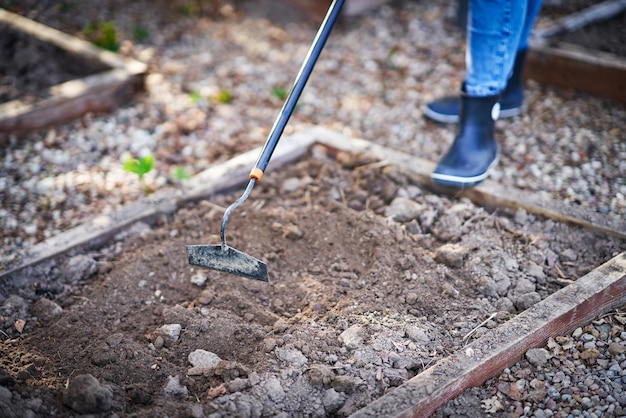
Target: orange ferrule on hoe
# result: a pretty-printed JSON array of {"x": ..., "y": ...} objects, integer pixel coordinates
[{"x": 256, "y": 173}]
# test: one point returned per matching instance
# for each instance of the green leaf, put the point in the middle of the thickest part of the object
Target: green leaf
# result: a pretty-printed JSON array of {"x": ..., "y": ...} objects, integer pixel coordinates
[
  {"x": 195, "y": 97},
  {"x": 224, "y": 96},
  {"x": 179, "y": 173},
  {"x": 141, "y": 166},
  {"x": 279, "y": 92}
]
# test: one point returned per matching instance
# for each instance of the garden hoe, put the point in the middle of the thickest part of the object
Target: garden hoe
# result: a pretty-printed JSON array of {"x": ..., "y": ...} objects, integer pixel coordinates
[{"x": 225, "y": 258}]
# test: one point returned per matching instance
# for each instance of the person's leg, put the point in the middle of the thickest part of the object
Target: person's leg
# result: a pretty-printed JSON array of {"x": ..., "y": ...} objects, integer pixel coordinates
[
  {"x": 512, "y": 98},
  {"x": 446, "y": 109},
  {"x": 494, "y": 30}
]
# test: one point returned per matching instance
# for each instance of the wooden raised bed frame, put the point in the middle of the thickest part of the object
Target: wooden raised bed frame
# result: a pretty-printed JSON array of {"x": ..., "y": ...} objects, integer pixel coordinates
[
  {"x": 598, "y": 292},
  {"x": 101, "y": 92},
  {"x": 559, "y": 63}
]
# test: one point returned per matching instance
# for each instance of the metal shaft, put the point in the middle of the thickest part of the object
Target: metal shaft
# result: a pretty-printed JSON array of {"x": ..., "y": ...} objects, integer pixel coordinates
[
  {"x": 287, "y": 109},
  {"x": 232, "y": 207},
  {"x": 299, "y": 83}
]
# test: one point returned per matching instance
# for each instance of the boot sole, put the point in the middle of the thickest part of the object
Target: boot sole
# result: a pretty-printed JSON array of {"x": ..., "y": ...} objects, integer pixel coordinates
[
  {"x": 445, "y": 118},
  {"x": 462, "y": 182}
]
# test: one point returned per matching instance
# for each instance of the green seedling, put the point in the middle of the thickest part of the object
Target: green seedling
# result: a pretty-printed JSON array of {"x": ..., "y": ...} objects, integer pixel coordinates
[
  {"x": 141, "y": 167},
  {"x": 195, "y": 97},
  {"x": 140, "y": 33},
  {"x": 180, "y": 174},
  {"x": 187, "y": 10},
  {"x": 224, "y": 96},
  {"x": 103, "y": 35},
  {"x": 279, "y": 93}
]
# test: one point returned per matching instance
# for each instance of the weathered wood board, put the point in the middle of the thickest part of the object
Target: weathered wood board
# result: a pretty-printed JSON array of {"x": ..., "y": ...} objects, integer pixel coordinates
[{"x": 100, "y": 92}]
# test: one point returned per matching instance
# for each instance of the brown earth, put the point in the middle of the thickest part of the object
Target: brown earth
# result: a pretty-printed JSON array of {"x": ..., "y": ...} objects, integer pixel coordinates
[{"x": 357, "y": 302}]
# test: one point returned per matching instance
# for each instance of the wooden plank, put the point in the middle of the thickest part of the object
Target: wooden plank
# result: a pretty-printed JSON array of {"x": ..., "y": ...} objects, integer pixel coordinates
[
  {"x": 96, "y": 93},
  {"x": 572, "y": 66},
  {"x": 489, "y": 193},
  {"x": 575, "y": 21},
  {"x": 101, "y": 92},
  {"x": 598, "y": 292}
]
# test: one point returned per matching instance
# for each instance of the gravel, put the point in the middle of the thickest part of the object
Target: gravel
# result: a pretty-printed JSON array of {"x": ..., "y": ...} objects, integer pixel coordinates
[
  {"x": 375, "y": 73},
  {"x": 581, "y": 374},
  {"x": 568, "y": 145}
]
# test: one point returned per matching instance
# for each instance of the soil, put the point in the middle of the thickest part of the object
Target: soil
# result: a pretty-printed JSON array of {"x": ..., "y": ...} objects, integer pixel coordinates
[
  {"x": 28, "y": 67},
  {"x": 372, "y": 279},
  {"x": 605, "y": 36}
]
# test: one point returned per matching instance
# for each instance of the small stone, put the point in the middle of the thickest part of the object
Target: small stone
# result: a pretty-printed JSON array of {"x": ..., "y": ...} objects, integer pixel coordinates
[
  {"x": 402, "y": 209},
  {"x": 411, "y": 298},
  {"x": 451, "y": 255},
  {"x": 84, "y": 394},
  {"x": 80, "y": 267},
  {"x": 274, "y": 390},
  {"x": 526, "y": 301},
  {"x": 174, "y": 389},
  {"x": 280, "y": 325},
  {"x": 203, "y": 359},
  {"x": 292, "y": 232},
  {"x": 320, "y": 374},
  {"x": 345, "y": 384},
  {"x": 270, "y": 344},
  {"x": 290, "y": 185},
  {"x": 45, "y": 309},
  {"x": 351, "y": 338},
  {"x": 198, "y": 279},
  {"x": 292, "y": 356},
  {"x": 416, "y": 334},
  {"x": 170, "y": 333},
  {"x": 537, "y": 356},
  {"x": 616, "y": 348},
  {"x": 332, "y": 401}
]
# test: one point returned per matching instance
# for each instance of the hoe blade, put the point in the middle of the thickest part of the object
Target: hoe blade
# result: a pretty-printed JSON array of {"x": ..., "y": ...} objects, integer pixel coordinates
[{"x": 228, "y": 260}]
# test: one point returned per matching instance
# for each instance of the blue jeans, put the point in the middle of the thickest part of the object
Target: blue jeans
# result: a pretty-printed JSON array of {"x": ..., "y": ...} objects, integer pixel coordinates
[{"x": 496, "y": 31}]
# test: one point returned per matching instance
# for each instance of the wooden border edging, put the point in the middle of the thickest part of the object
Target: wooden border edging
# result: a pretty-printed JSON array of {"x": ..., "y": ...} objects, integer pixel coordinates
[
  {"x": 562, "y": 64},
  {"x": 596, "y": 293},
  {"x": 95, "y": 93}
]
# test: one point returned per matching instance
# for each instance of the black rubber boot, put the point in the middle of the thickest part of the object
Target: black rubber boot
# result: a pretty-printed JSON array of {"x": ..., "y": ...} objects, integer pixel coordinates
[
  {"x": 474, "y": 150},
  {"x": 446, "y": 109}
]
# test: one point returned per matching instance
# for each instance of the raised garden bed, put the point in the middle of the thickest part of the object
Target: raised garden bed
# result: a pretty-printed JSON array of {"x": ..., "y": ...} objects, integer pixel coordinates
[
  {"x": 78, "y": 76},
  {"x": 375, "y": 282},
  {"x": 583, "y": 50}
]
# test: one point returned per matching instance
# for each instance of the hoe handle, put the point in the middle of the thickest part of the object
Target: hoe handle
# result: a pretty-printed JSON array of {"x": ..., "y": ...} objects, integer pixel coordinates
[{"x": 296, "y": 89}]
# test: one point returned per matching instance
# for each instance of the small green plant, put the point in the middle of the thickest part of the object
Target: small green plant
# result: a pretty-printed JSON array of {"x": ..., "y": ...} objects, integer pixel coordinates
[
  {"x": 188, "y": 10},
  {"x": 103, "y": 35},
  {"x": 141, "y": 167},
  {"x": 279, "y": 92},
  {"x": 224, "y": 96},
  {"x": 195, "y": 97},
  {"x": 140, "y": 33},
  {"x": 180, "y": 174}
]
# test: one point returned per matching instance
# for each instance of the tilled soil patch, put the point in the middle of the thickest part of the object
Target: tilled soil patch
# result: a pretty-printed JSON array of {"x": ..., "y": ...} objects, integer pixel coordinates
[{"x": 372, "y": 279}]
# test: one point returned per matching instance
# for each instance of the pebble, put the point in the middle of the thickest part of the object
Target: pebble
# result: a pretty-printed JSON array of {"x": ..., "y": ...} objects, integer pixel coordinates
[
  {"x": 352, "y": 337},
  {"x": 86, "y": 395},
  {"x": 203, "y": 359},
  {"x": 169, "y": 334},
  {"x": 174, "y": 389},
  {"x": 402, "y": 209}
]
